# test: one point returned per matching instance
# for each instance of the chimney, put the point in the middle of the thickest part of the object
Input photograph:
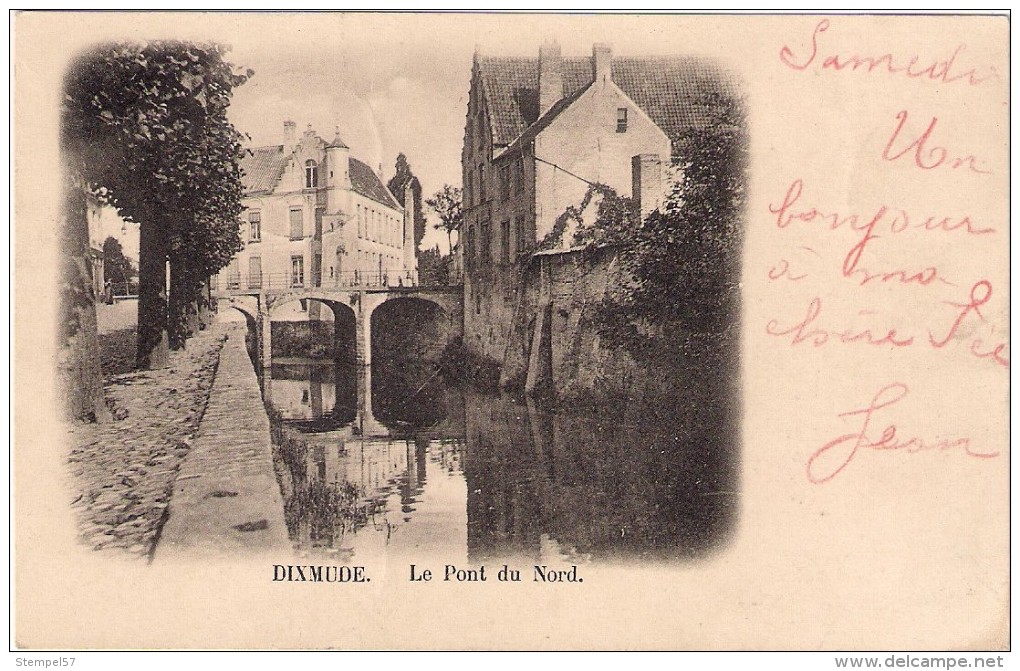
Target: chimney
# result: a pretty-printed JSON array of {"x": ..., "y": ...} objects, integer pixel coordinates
[
  {"x": 646, "y": 183},
  {"x": 550, "y": 76},
  {"x": 289, "y": 135},
  {"x": 602, "y": 62}
]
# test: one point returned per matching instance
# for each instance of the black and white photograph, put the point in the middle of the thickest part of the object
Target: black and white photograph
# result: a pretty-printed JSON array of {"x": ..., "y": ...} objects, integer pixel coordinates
[{"x": 691, "y": 330}]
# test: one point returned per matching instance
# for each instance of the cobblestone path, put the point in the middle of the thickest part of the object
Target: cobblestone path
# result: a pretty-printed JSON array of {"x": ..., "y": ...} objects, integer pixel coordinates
[{"x": 122, "y": 472}]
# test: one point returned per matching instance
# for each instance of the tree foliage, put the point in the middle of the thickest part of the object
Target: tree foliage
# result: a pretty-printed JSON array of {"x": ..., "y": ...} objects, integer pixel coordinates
[
  {"x": 116, "y": 266},
  {"x": 433, "y": 267},
  {"x": 615, "y": 220},
  {"x": 144, "y": 128},
  {"x": 402, "y": 176},
  {"x": 446, "y": 203}
]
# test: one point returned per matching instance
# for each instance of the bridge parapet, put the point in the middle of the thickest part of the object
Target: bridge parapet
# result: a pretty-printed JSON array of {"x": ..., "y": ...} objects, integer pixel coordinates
[{"x": 361, "y": 301}]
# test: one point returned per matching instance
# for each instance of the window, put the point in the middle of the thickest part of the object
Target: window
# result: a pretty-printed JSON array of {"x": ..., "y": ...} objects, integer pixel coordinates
[
  {"x": 311, "y": 175},
  {"x": 254, "y": 225},
  {"x": 481, "y": 182},
  {"x": 254, "y": 272},
  {"x": 621, "y": 120},
  {"x": 234, "y": 275},
  {"x": 486, "y": 241},
  {"x": 361, "y": 222},
  {"x": 505, "y": 231},
  {"x": 468, "y": 188},
  {"x": 519, "y": 175},
  {"x": 504, "y": 182},
  {"x": 297, "y": 271},
  {"x": 520, "y": 244},
  {"x": 469, "y": 251},
  {"x": 297, "y": 224}
]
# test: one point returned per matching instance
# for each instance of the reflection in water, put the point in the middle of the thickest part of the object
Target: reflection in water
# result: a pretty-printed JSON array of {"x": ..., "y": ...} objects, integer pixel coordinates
[
  {"x": 316, "y": 395},
  {"x": 382, "y": 463}
]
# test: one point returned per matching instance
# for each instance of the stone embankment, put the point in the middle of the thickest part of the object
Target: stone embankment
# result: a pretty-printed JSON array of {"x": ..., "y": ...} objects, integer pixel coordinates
[{"x": 226, "y": 499}]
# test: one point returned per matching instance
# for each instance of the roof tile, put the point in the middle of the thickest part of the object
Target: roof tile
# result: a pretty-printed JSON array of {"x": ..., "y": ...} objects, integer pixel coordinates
[
  {"x": 367, "y": 183},
  {"x": 673, "y": 91},
  {"x": 262, "y": 168}
]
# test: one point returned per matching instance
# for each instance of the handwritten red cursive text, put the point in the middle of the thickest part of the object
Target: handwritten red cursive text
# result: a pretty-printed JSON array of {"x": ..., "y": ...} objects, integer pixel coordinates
[
  {"x": 883, "y": 221},
  {"x": 809, "y": 331},
  {"x": 782, "y": 270},
  {"x": 928, "y": 157},
  {"x": 980, "y": 294},
  {"x": 812, "y": 330},
  {"x": 943, "y": 71},
  {"x": 830, "y": 459}
]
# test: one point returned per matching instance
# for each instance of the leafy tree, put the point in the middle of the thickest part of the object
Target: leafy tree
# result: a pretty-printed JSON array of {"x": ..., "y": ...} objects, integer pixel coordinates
[
  {"x": 144, "y": 128},
  {"x": 402, "y": 176},
  {"x": 685, "y": 256},
  {"x": 446, "y": 203},
  {"x": 117, "y": 267},
  {"x": 681, "y": 262},
  {"x": 433, "y": 267}
]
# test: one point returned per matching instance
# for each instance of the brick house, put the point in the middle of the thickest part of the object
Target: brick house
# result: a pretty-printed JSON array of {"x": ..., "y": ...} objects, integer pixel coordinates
[{"x": 539, "y": 132}]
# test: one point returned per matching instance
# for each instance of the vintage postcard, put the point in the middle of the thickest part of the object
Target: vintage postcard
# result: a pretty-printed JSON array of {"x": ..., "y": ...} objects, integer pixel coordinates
[{"x": 511, "y": 331}]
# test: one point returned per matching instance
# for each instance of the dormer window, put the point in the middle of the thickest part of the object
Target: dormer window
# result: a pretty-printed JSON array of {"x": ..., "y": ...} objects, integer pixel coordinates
[
  {"x": 311, "y": 175},
  {"x": 621, "y": 120}
]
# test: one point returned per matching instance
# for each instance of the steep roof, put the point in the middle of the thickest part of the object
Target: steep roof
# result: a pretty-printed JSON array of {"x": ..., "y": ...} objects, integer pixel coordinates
[
  {"x": 672, "y": 91},
  {"x": 263, "y": 167},
  {"x": 367, "y": 183},
  {"x": 336, "y": 142},
  {"x": 546, "y": 119}
]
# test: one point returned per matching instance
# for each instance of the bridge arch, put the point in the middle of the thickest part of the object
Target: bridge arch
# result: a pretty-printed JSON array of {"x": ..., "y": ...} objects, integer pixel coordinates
[
  {"x": 246, "y": 305},
  {"x": 409, "y": 335},
  {"x": 409, "y": 329},
  {"x": 292, "y": 337}
]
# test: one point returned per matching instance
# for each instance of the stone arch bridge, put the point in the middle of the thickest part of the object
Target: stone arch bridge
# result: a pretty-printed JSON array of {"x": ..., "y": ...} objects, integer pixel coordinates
[{"x": 353, "y": 308}]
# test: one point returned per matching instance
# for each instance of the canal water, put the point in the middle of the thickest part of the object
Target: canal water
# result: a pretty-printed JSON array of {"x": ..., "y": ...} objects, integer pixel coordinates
[{"x": 388, "y": 465}]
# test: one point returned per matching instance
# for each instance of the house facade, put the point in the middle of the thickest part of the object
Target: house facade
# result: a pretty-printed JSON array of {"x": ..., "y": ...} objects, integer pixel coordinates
[
  {"x": 94, "y": 214},
  {"x": 317, "y": 216},
  {"x": 539, "y": 133}
]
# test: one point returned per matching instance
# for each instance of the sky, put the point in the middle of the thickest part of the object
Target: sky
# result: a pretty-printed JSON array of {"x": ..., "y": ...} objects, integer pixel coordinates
[
  {"x": 383, "y": 100},
  {"x": 393, "y": 83},
  {"x": 389, "y": 83}
]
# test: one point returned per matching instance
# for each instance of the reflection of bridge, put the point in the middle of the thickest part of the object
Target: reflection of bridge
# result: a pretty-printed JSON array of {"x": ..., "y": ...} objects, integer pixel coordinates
[
  {"x": 311, "y": 400},
  {"x": 353, "y": 308}
]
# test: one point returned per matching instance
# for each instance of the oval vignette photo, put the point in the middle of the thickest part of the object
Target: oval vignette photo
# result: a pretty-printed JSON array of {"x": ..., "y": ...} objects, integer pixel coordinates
[{"x": 515, "y": 341}]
